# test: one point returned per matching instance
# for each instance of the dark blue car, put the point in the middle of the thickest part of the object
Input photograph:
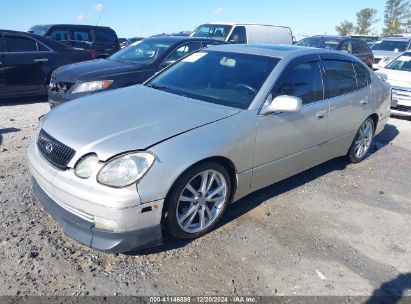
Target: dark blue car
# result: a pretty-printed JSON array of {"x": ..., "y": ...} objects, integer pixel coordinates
[{"x": 132, "y": 65}]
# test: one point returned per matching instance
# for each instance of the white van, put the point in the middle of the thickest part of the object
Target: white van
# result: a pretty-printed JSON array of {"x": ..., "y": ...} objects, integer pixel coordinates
[{"x": 242, "y": 33}]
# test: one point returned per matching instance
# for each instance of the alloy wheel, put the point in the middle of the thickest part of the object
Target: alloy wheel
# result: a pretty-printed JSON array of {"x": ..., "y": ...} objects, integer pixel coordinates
[
  {"x": 364, "y": 138},
  {"x": 201, "y": 201}
]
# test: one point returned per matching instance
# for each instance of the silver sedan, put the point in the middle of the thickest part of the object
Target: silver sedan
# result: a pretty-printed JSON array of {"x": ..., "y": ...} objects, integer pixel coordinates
[{"x": 116, "y": 168}]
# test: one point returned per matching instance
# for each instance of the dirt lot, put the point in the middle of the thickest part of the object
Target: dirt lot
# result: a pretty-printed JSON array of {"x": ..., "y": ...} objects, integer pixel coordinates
[{"x": 337, "y": 229}]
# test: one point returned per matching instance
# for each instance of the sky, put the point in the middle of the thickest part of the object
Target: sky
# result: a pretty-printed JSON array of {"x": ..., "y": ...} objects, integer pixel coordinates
[{"x": 131, "y": 18}]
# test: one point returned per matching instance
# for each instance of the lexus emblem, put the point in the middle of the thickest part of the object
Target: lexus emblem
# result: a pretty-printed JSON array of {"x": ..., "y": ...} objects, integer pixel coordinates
[{"x": 49, "y": 148}]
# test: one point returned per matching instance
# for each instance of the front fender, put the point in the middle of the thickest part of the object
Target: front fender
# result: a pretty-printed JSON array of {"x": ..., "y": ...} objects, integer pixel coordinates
[{"x": 232, "y": 138}]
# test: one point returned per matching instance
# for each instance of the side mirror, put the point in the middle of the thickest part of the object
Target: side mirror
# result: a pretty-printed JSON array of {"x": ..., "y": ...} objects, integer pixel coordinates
[
  {"x": 166, "y": 63},
  {"x": 283, "y": 103}
]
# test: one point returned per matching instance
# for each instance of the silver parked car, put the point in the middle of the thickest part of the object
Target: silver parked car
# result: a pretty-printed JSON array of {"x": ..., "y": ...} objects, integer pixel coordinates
[{"x": 116, "y": 168}]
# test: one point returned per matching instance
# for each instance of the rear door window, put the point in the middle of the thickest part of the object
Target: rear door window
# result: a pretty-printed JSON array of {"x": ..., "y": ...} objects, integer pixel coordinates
[
  {"x": 59, "y": 34},
  {"x": 81, "y": 35},
  {"x": 20, "y": 44},
  {"x": 340, "y": 77},
  {"x": 238, "y": 35},
  {"x": 303, "y": 81}
]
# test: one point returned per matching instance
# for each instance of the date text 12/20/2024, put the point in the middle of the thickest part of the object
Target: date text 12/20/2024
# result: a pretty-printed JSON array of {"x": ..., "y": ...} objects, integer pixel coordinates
[{"x": 205, "y": 299}]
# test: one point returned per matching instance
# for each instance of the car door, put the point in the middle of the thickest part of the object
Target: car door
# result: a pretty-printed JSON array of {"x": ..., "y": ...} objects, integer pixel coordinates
[
  {"x": 287, "y": 143},
  {"x": 348, "y": 100},
  {"x": 27, "y": 64}
]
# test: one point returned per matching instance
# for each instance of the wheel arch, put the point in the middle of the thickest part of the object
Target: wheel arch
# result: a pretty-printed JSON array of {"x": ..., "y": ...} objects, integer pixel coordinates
[
  {"x": 223, "y": 161},
  {"x": 375, "y": 119}
]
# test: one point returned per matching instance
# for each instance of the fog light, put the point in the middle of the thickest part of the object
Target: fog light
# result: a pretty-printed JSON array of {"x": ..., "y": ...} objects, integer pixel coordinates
[{"x": 105, "y": 224}]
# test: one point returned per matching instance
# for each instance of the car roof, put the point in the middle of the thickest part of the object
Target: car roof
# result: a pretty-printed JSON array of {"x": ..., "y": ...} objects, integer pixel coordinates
[
  {"x": 239, "y": 23},
  {"x": 72, "y": 25},
  {"x": 336, "y": 37},
  {"x": 177, "y": 39},
  {"x": 395, "y": 38},
  {"x": 274, "y": 50}
]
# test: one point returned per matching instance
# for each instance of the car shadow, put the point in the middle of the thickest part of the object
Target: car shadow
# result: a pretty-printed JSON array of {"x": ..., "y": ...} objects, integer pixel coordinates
[
  {"x": 7, "y": 130},
  {"x": 15, "y": 101},
  {"x": 255, "y": 199},
  {"x": 392, "y": 291}
]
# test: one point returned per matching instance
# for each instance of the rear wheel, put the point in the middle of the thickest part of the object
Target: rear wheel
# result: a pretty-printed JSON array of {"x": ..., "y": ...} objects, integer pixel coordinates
[
  {"x": 362, "y": 141},
  {"x": 197, "y": 200}
]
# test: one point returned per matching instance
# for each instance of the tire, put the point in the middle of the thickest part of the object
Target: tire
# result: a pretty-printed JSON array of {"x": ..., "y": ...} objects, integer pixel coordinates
[
  {"x": 362, "y": 141},
  {"x": 183, "y": 204}
]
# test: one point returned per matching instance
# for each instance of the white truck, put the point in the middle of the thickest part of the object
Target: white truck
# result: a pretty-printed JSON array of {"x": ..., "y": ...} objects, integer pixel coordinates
[{"x": 243, "y": 33}]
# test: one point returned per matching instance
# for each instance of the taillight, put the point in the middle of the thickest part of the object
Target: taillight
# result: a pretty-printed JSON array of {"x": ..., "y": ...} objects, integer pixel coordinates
[{"x": 91, "y": 53}]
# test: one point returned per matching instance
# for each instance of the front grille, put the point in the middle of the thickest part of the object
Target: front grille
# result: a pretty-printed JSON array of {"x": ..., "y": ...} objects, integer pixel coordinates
[
  {"x": 59, "y": 86},
  {"x": 55, "y": 152},
  {"x": 402, "y": 108},
  {"x": 401, "y": 95},
  {"x": 377, "y": 60}
]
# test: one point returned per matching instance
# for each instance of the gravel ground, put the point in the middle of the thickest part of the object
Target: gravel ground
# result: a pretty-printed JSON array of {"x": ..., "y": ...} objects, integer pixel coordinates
[{"x": 337, "y": 229}]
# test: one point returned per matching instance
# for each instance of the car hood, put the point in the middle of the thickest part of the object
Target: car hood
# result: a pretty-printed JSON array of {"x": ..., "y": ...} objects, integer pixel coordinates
[
  {"x": 132, "y": 118},
  {"x": 383, "y": 54},
  {"x": 96, "y": 69},
  {"x": 397, "y": 78}
]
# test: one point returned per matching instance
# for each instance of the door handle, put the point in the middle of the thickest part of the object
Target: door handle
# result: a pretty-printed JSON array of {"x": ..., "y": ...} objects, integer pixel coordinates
[
  {"x": 41, "y": 60},
  {"x": 364, "y": 101},
  {"x": 321, "y": 114}
]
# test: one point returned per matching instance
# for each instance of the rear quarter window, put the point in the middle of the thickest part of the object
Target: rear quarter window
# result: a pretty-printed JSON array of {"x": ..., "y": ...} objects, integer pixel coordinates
[
  {"x": 105, "y": 36},
  {"x": 362, "y": 75}
]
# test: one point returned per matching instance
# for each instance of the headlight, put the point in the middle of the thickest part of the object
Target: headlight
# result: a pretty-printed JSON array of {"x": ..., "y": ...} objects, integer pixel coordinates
[
  {"x": 92, "y": 86},
  {"x": 126, "y": 169},
  {"x": 86, "y": 166}
]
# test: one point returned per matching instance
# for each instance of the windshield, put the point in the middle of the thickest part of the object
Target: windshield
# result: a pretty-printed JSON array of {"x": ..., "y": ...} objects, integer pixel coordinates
[
  {"x": 227, "y": 79},
  {"x": 146, "y": 51},
  {"x": 38, "y": 30},
  {"x": 402, "y": 63},
  {"x": 321, "y": 43},
  {"x": 390, "y": 45},
  {"x": 214, "y": 31}
]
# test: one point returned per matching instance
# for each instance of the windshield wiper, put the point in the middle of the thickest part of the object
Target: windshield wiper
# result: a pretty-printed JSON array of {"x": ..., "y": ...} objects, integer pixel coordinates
[{"x": 157, "y": 86}]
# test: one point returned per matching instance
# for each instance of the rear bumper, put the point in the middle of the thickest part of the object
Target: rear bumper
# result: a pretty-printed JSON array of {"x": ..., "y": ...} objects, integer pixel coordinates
[{"x": 86, "y": 233}]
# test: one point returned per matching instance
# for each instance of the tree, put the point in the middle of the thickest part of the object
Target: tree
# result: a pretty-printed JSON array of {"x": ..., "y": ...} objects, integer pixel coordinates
[
  {"x": 345, "y": 28},
  {"x": 365, "y": 19},
  {"x": 396, "y": 16}
]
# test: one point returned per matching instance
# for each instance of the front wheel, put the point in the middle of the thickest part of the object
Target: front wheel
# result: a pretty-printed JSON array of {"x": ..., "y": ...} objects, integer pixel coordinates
[
  {"x": 362, "y": 141},
  {"x": 197, "y": 200}
]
